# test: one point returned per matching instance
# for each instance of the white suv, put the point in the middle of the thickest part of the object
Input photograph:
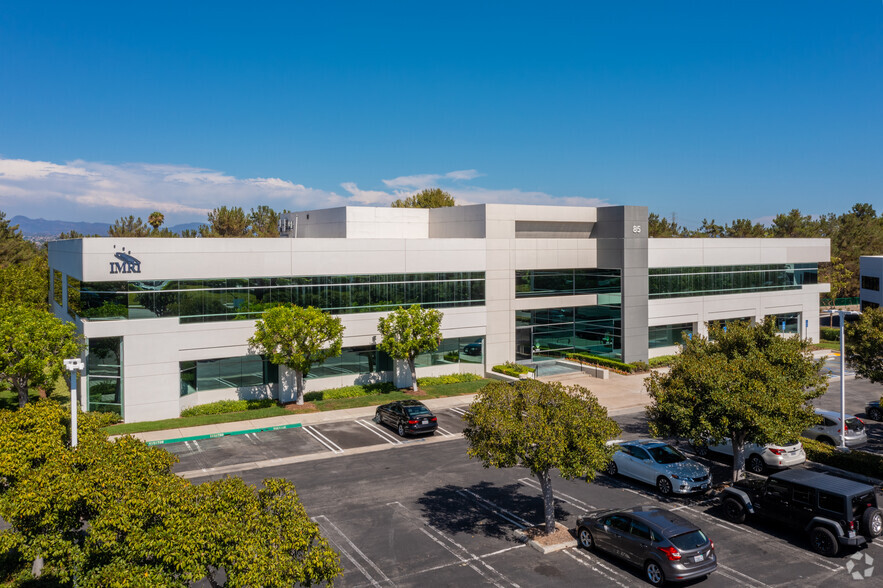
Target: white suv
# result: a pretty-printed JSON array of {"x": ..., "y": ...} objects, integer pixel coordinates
[
  {"x": 828, "y": 431},
  {"x": 760, "y": 457}
]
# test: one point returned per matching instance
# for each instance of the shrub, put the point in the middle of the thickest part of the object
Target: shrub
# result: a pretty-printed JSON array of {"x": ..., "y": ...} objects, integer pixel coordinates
[
  {"x": 225, "y": 406},
  {"x": 449, "y": 379},
  {"x": 510, "y": 368},
  {"x": 858, "y": 462},
  {"x": 619, "y": 366},
  {"x": 452, "y": 356},
  {"x": 350, "y": 391},
  {"x": 662, "y": 360},
  {"x": 829, "y": 333},
  {"x": 641, "y": 366}
]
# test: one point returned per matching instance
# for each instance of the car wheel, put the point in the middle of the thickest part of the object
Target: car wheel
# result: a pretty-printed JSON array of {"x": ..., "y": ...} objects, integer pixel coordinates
[
  {"x": 701, "y": 450},
  {"x": 585, "y": 538},
  {"x": 663, "y": 484},
  {"x": 734, "y": 510},
  {"x": 876, "y": 414},
  {"x": 612, "y": 470},
  {"x": 823, "y": 542},
  {"x": 826, "y": 441},
  {"x": 377, "y": 418},
  {"x": 872, "y": 523},
  {"x": 653, "y": 573},
  {"x": 755, "y": 464},
  {"x": 401, "y": 430}
]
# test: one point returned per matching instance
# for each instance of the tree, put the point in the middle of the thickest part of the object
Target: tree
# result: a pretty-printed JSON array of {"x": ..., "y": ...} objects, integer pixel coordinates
[
  {"x": 658, "y": 226},
  {"x": 114, "y": 514},
  {"x": 156, "y": 220},
  {"x": 864, "y": 345},
  {"x": 746, "y": 384},
  {"x": 428, "y": 198},
  {"x": 297, "y": 338},
  {"x": 743, "y": 227},
  {"x": 540, "y": 426},
  {"x": 408, "y": 332},
  {"x": 836, "y": 274},
  {"x": 226, "y": 222},
  {"x": 25, "y": 283},
  {"x": 859, "y": 232},
  {"x": 14, "y": 249},
  {"x": 264, "y": 222},
  {"x": 128, "y": 227},
  {"x": 33, "y": 344},
  {"x": 794, "y": 225}
]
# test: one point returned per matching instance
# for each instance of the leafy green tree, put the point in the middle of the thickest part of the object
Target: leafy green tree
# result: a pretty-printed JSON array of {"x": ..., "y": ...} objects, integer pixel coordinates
[
  {"x": 746, "y": 384},
  {"x": 74, "y": 234},
  {"x": 659, "y": 226},
  {"x": 859, "y": 232},
  {"x": 25, "y": 283},
  {"x": 742, "y": 228},
  {"x": 156, "y": 219},
  {"x": 708, "y": 229},
  {"x": 14, "y": 248},
  {"x": 838, "y": 275},
  {"x": 33, "y": 344},
  {"x": 864, "y": 345},
  {"x": 541, "y": 426},
  {"x": 114, "y": 514},
  {"x": 226, "y": 222},
  {"x": 297, "y": 338},
  {"x": 128, "y": 227},
  {"x": 408, "y": 332},
  {"x": 189, "y": 233},
  {"x": 428, "y": 198},
  {"x": 264, "y": 222},
  {"x": 794, "y": 224}
]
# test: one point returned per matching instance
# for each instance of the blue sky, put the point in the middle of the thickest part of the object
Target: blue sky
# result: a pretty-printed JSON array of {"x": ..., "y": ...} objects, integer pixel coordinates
[{"x": 703, "y": 109}]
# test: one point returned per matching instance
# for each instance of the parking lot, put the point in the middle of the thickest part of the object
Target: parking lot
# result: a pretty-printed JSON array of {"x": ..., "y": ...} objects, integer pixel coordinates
[{"x": 416, "y": 512}]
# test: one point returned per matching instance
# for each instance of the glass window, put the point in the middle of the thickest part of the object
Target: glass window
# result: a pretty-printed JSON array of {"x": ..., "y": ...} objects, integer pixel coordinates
[
  {"x": 618, "y": 522},
  {"x": 668, "y": 335},
  {"x": 802, "y": 495},
  {"x": 230, "y": 372},
  {"x": 871, "y": 283},
  {"x": 705, "y": 281},
  {"x": 640, "y": 530},
  {"x": 690, "y": 540},
  {"x": 566, "y": 282},
  {"x": 104, "y": 375},
  {"x": 831, "y": 502},
  {"x": 788, "y": 322},
  {"x": 666, "y": 454},
  {"x": 58, "y": 287}
]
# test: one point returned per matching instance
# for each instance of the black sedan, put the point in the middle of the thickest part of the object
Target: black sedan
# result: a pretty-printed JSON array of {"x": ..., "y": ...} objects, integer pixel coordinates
[
  {"x": 667, "y": 546},
  {"x": 407, "y": 417}
]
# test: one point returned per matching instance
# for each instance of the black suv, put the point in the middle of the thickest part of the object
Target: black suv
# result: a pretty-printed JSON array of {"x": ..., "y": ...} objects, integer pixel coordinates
[{"x": 833, "y": 511}]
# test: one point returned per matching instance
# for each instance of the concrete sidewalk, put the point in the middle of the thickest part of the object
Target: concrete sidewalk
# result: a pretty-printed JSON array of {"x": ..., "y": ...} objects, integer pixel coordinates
[{"x": 620, "y": 394}]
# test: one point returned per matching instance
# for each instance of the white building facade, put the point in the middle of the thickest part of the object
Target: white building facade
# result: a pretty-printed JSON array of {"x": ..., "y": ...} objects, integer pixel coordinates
[
  {"x": 870, "y": 276},
  {"x": 166, "y": 321}
]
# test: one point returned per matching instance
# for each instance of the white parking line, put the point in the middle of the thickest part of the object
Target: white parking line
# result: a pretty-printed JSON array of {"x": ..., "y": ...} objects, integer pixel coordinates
[
  {"x": 379, "y": 432},
  {"x": 328, "y": 443},
  {"x": 459, "y": 411},
  {"x": 558, "y": 495},
  {"x": 741, "y": 579},
  {"x": 500, "y": 512},
  {"x": 589, "y": 563},
  {"x": 445, "y": 432},
  {"x": 446, "y": 542},
  {"x": 358, "y": 551},
  {"x": 600, "y": 563}
]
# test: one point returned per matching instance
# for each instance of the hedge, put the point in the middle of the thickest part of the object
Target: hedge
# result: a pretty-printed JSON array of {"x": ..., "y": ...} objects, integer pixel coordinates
[
  {"x": 603, "y": 362},
  {"x": 449, "y": 379},
  {"x": 858, "y": 462},
  {"x": 829, "y": 333},
  {"x": 225, "y": 406},
  {"x": 350, "y": 391},
  {"x": 510, "y": 368},
  {"x": 662, "y": 360}
]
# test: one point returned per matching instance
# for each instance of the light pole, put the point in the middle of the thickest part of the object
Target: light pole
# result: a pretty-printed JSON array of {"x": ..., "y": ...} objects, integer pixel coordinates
[
  {"x": 73, "y": 366},
  {"x": 842, "y": 382}
]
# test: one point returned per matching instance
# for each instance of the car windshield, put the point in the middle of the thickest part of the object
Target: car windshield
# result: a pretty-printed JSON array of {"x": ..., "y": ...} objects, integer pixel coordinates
[
  {"x": 854, "y": 424},
  {"x": 415, "y": 411},
  {"x": 690, "y": 540},
  {"x": 666, "y": 454}
]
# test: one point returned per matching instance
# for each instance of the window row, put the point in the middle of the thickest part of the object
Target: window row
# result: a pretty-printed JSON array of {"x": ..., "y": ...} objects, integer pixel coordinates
[
  {"x": 104, "y": 372},
  {"x": 96, "y": 301},
  {"x": 555, "y": 332},
  {"x": 871, "y": 283},
  {"x": 566, "y": 282},
  {"x": 691, "y": 281},
  {"x": 230, "y": 372}
]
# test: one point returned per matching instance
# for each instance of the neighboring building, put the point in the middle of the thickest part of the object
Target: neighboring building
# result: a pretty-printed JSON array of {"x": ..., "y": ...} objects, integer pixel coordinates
[
  {"x": 166, "y": 321},
  {"x": 870, "y": 268}
]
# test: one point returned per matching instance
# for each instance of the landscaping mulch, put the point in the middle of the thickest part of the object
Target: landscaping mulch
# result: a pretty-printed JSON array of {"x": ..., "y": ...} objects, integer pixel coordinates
[{"x": 561, "y": 535}]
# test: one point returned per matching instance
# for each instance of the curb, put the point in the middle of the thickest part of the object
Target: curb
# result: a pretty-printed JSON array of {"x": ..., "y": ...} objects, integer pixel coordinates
[
  {"x": 226, "y": 434},
  {"x": 545, "y": 549}
]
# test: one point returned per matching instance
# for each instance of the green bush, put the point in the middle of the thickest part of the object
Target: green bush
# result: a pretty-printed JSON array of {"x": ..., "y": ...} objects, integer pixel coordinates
[
  {"x": 662, "y": 360},
  {"x": 858, "y": 462},
  {"x": 510, "y": 368},
  {"x": 602, "y": 362},
  {"x": 225, "y": 406},
  {"x": 452, "y": 356},
  {"x": 641, "y": 366},
  {"x": 829, "y": 333},
  {"x": 350, "y": 391},
  {"x": 449, "y": 379}
]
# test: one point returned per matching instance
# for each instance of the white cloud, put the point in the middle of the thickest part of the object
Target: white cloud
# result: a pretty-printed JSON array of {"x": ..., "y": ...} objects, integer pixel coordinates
[{"x": 94, "y": 191}]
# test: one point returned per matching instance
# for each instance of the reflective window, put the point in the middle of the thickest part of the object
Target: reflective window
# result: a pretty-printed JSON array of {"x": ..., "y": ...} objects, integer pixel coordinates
[
  {"x": 668, "y": 335},
  {"x": 565, "y": 282},
  {"x": 104, "y": 375},
  {"x": 556, "y": 332},
  {"x": 730, "y": 279},
  {"x": 788, "y": 322},
  {"x": 228, "y": 372},
  {"x": 871, "y": 283}
]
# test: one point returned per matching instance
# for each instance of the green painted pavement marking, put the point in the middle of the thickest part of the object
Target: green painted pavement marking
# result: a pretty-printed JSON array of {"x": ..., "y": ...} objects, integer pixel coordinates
[{"x": 216, "y": 435}]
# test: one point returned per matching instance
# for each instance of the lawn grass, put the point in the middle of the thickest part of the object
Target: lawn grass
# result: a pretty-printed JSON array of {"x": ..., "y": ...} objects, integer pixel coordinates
[
  {"x": 439, "y": 391},
  {"x": 830, "y": 345},
  {"x": 9, "y": 398}
]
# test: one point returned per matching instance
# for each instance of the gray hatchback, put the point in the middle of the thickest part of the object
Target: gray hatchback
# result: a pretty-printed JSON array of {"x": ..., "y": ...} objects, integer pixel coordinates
[{"x": 667, "y": 546}]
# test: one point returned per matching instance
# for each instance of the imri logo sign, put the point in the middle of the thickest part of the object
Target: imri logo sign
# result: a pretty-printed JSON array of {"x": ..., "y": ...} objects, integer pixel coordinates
[{"x": 126, "y": 264}]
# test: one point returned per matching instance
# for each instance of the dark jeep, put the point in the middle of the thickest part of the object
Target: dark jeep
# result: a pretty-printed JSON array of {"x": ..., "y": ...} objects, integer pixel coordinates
[{"x": 833, "y": 511}]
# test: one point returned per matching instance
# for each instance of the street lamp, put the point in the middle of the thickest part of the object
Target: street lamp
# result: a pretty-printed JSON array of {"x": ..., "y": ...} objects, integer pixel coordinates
[
  {"x": 73, "y": 366},
  {"x": 842, "y": 382}
]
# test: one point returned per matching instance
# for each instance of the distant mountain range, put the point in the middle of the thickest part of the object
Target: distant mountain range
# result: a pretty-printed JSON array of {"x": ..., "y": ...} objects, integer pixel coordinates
[{"x": 38, "y": 227}]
